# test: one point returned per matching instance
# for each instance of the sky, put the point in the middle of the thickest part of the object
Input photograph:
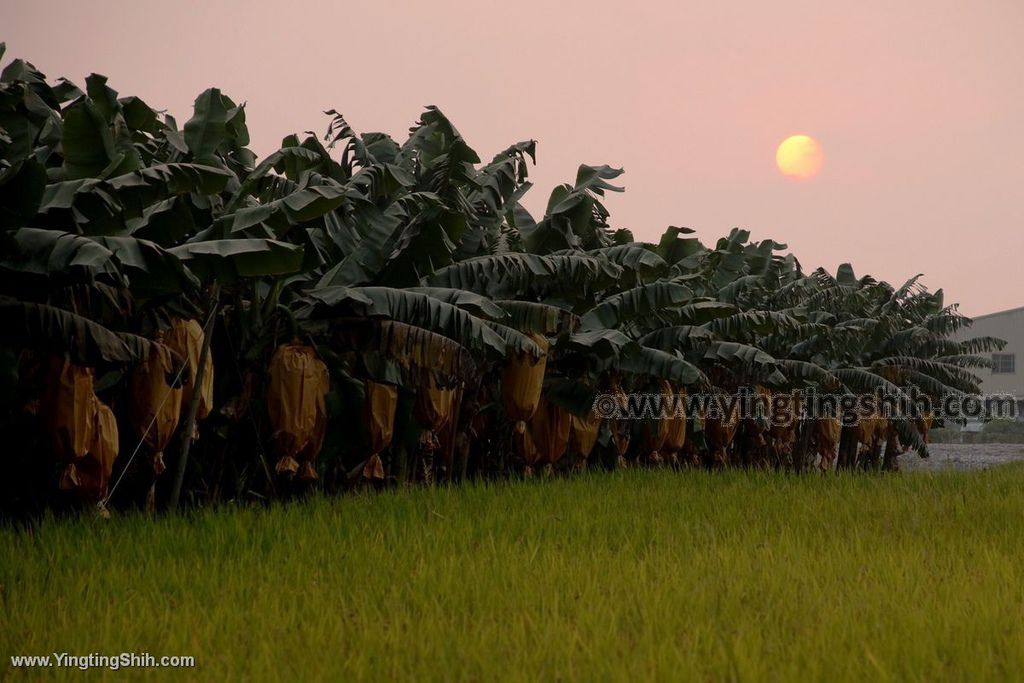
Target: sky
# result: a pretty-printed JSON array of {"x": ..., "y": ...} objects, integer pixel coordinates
[{"x": 918, "y": 105}]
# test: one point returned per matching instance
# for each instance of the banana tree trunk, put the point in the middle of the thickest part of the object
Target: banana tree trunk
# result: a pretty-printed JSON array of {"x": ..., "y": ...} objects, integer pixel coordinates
[
  {"x": 889, "y": 461},
  {"x": 847, "y": 448},
  {"x": 802, "y": 444},
  {"x": 873, "y": 457},
  {"x": 193, "y": 408}
]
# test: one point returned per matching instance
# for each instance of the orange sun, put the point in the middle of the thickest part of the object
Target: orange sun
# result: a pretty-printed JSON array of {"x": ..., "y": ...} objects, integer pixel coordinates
[{"x": 799, "y": 157}]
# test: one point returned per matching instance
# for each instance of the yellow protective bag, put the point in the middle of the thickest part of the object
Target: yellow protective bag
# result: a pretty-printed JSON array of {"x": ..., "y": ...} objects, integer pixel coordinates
[
  {"x": 719, "y": 432},
  {"x": 549, "y": 429},
  {"x": 675, "y": 439},
  {"x": 522, "y": 381},
  {"x": 584, "y": 433},
  {"x": 827, "y": 432},
  {"x": 94, "y": 469},
  {"x": 620, "y": 427},
  {"x": 67, "y": 408},
  {"x": 155, "y": 405},
  {"x": 434, "y": 406},
  {"x": 656, "y": 431},
  {"x": 185, "y": 337},
  {"x": 296, "y": 386},
  {"x": 379, "y": 417}
]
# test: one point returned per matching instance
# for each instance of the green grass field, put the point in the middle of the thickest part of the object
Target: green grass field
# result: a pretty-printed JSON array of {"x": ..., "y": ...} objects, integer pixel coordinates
[{"x": 632, "y": 575}]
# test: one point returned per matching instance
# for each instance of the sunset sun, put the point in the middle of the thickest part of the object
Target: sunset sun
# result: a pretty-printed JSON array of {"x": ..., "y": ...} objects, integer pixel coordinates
[{"x": 799, "y": 157}]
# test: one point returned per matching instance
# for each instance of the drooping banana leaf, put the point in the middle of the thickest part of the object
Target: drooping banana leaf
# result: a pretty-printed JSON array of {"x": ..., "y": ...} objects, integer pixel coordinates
[
  {"x": 379, "y": 230},
  {"x": 807, "y": 371},
  {"x": 40, "y": 327},
  {"x": 497, "y": 276},
  {"x": 208, "y": 127},
  {"x": 89, "y": 144},
  {"x": 420, "y": 354},
  {"x": 604, "y": 344},
  {"x": 60, "y": 256},
  {"x": 749, "y": 324},
  {"x": 411, "y": 308},
  {"x": 643, "y": 360},
  {"x": 617, "y": 309},
  {"x": 678, "y": 338},
  {"x": 149, "y": 268},
  {"x": 477, "y": 304},
  {"x": 749, "y": 359},
  {"x": 231, "y": 259},
  {"x": 640, "y": 259},
  {"x": 530, "y": 316}
]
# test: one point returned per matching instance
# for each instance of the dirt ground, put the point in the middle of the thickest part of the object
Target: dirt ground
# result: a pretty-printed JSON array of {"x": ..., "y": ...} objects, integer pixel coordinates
[{"x": 963, "y": 456}]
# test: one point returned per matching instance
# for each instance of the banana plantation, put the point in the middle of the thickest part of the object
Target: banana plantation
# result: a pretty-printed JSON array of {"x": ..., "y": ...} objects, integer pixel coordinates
[{"x": 184, "y": 323}]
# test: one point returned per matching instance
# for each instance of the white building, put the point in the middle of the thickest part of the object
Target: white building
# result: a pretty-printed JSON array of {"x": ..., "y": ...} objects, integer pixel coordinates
[{"x": 1006, "y": 375}]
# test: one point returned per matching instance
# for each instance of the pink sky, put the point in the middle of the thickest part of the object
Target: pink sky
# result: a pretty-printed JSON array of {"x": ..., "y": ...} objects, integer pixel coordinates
[{"x": 919, "y": 105}]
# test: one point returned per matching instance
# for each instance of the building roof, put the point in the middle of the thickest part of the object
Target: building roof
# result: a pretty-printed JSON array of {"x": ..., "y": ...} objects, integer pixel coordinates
[{"x": 1019, "y": 309}]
